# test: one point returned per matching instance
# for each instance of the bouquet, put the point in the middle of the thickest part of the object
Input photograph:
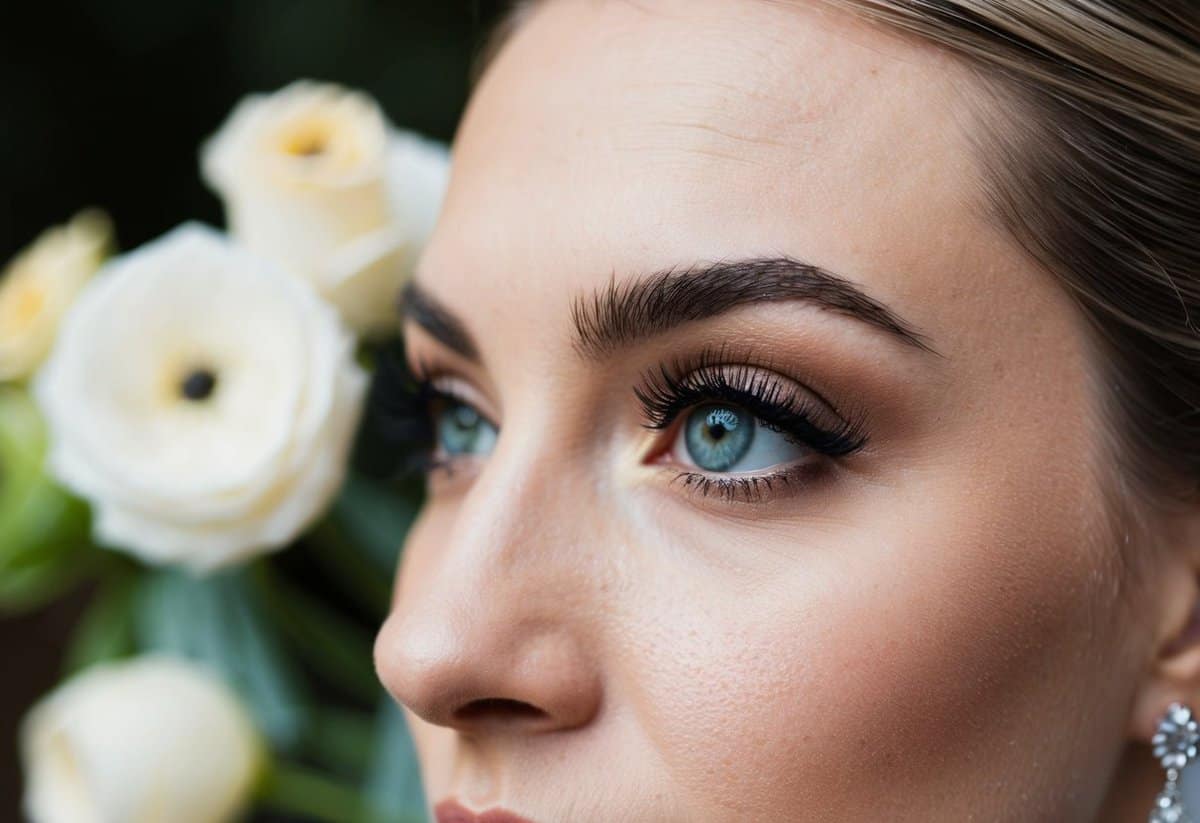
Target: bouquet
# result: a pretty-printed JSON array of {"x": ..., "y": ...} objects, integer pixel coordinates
[{"x": 184, "y": 433}]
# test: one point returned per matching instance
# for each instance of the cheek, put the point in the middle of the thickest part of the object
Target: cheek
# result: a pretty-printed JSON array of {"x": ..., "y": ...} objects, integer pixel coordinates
[{"x": 888, "y": 665}]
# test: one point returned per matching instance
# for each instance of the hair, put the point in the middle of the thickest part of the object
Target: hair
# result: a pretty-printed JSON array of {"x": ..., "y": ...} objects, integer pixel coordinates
[{"x": 1099, "y": 183}]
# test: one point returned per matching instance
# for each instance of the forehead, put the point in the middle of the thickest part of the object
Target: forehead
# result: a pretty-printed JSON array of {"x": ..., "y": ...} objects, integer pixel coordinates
[{"x": 618, "y": 137}]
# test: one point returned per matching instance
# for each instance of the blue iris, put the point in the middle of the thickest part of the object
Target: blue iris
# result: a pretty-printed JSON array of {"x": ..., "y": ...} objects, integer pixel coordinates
[
  {"x": 718, "y": 436},
  {"x": 461, "y": 430}
]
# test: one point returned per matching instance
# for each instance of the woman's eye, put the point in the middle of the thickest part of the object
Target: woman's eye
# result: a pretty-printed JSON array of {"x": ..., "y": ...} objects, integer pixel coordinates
[
  {"x": 722, "y": 437},
  {"x": 461, "y": 430}
]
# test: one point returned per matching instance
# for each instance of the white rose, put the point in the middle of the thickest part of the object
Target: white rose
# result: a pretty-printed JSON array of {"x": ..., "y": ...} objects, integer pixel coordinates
[
  {"x": 314, "y": 177},
  {"x": 39, "y": 284},
  {"x": 151, "y": 739},
  {"x": 202, "y": 399}
]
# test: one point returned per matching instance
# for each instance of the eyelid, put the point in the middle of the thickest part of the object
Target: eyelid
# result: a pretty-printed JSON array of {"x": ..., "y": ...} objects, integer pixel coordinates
[
  {"x": 779, "y": 402},
  {"x": 782, "y": 402},
  {"x": 729, "y": 356},
  {"x": 449, "y": 381}
]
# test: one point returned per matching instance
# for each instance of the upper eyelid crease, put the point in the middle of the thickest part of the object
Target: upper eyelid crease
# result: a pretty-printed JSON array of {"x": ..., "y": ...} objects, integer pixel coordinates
[{"x": 622, "y": 314}]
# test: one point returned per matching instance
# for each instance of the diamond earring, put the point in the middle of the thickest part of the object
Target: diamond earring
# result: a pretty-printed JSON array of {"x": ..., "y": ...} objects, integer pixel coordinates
[{"x": 1175, "y": 745}]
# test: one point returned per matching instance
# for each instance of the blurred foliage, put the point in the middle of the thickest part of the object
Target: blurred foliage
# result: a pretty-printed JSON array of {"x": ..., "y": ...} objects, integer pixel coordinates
[
  {"x": 43, "y": 531},
  {"x": 105, "y": 102},
  {"x": 292, "y": 631}
]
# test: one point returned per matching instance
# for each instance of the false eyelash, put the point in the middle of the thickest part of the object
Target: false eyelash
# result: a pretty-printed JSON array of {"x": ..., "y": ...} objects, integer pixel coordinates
[
  {"x": 709, "y": 377},
  {"x": 400, "y": 412}
]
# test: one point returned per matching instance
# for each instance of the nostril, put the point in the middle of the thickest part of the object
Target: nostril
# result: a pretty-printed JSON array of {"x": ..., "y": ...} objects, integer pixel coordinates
[{"x": 498, "y": 706}]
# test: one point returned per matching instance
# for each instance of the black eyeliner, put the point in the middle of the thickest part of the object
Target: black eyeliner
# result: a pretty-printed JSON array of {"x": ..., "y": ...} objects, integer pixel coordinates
[{"x": 714, "y": 377}]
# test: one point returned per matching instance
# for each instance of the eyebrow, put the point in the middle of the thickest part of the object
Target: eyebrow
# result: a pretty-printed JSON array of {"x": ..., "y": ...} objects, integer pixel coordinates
[
  {"x": 423, "y": 308},
  {"x": 621, "y": 315}
]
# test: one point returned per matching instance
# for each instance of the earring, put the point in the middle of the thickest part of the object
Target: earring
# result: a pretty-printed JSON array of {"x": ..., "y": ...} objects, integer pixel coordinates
[{"x": 1175, "y": 745}]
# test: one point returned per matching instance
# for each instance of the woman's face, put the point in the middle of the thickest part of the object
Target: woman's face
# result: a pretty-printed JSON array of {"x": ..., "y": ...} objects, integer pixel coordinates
[{"x": 771, "y": 488}]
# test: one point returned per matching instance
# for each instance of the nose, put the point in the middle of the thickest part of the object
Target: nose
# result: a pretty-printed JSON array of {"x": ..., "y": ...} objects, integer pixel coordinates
[
  {"x": 489, "y": 628},
  {"x": 477, "y": 673}
]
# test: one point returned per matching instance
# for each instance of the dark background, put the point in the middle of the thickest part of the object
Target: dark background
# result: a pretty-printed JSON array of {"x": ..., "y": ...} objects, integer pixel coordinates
[{"x": 105, "y": 103}]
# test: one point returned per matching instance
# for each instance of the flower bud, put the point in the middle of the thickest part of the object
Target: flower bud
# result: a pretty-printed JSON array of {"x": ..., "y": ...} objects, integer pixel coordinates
[
  {"x": 316, "y": 179},
  {"x": 40, "y": 283},
  {"x": 144, "y": 740}
]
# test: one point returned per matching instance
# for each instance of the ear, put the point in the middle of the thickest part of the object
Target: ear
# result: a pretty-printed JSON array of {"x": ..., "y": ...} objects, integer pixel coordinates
[{"x": 1173, "y": 673}]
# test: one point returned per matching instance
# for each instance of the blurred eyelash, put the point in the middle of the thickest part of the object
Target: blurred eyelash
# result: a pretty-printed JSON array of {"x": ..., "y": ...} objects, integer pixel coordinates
[
  {"x": 401, "y": 412},
  {"x": 710, "y": 377}
]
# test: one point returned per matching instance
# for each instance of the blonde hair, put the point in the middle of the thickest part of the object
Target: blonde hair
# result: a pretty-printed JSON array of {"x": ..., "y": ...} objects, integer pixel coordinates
[{"x": 1099, "y": 182}]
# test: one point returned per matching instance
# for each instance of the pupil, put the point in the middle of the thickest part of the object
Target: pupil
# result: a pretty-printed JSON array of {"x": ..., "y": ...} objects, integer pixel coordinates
[
  {"x": 459, "y": 429},
  {"x": 465, "y": 417},
  {"x": 721, "y": 422},
  {"x": 199, "y": 385},
  {"x": 718, "y": 437}
]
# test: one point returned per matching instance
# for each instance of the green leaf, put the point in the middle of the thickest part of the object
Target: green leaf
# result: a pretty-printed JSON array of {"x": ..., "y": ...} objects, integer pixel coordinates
[
  {"x": 44, "y": 544},
  {"x": 358, "y": 574},
  {"x": 341, "y": 740},
  {"x": 41, "y": 524},
  {"x": 219, "y": 621},
  {"x": 43, "y": 550},
  {"x": 22, "y": 432},
  {"x": 393, "y": 785},
  {"x": 106, "y": 631},
  {"x": 337, "y": 648},
  {"x": 375, "y": 517},
  {"x": 32, "y": 585},
  {"x": 312, "y": 795}
]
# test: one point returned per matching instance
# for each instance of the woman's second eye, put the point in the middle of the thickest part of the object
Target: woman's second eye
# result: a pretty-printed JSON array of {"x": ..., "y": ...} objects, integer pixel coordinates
[
  {"x": 462, "y": 431},
  {"x": 722, "y": 437}
]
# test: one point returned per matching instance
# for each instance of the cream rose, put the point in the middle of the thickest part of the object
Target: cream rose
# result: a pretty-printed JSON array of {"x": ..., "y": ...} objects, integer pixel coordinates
[
  {"x": 314, "y": 177},
  {"x": 39, "y": 284},
  {"x": 150, "y": 739},
  {"x": 202, "y": 400}
]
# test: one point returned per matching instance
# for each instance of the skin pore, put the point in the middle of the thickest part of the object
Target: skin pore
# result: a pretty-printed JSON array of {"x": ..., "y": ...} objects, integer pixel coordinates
[{"x": 587, "y": 626}]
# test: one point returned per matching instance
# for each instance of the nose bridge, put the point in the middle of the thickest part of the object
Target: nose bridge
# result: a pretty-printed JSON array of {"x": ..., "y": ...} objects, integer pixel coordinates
[
  {"x": 520, "y": 525},
  {"x": 494, "y": 626}
]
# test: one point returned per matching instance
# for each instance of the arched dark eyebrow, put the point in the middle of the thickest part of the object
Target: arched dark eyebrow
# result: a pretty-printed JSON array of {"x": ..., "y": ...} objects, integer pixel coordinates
[
  {"x": 443, "y": 325},
  {"x": 623, "y": 314}
]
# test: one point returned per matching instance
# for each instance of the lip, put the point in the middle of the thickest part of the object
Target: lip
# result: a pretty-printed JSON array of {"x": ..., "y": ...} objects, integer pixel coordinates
[{"x": 449, "y": 811}]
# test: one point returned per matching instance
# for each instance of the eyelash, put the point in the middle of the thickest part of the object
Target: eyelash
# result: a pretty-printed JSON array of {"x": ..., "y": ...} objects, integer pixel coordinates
[
  {"x": 707, "y": 378},
  {"x": 402, "y": 404},
  {"x": 403, "y": 401}
]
